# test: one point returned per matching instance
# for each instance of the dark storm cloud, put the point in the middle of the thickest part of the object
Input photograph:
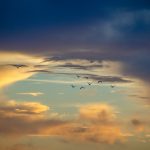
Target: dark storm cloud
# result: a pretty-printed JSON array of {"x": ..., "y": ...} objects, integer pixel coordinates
[
  {"x": 139, "y": 66},
  {"x": 21, "y": 15},
  {"x": 55, "y": 22},
  {"x": 93, "y": 30}
]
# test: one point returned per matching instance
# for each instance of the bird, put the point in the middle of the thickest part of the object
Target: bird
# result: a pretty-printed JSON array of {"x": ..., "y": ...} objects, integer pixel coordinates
[
  {"x": 73, "y": 86},
  {"x": 18, "y": 65},
  {"x": 78, "y": 76},
  {"x": 86, "y": 77},
  {"x": 91, "y": 61},
  {"x": 89, "y": 83},
  {"x": 100, "y": 81},
  {"x": 112, "y": 86},
  {"x": 82, "y": 87}
]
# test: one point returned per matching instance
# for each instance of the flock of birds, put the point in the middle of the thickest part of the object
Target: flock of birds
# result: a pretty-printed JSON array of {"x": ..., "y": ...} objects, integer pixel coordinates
[
  {"x": 73, "y": 86},
  {"x": 89, "y": 83}
]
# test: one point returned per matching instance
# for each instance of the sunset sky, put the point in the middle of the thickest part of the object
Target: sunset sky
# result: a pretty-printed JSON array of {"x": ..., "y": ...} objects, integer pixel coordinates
[{"x": 74, "y": 75}]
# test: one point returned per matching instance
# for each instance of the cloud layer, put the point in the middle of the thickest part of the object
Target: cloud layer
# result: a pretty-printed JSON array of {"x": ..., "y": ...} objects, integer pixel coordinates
[{"x": 95, "y": 123}]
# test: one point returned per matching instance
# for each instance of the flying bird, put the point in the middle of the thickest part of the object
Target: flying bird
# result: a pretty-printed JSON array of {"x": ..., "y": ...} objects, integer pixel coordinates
[
  {"x": 82, "y": 87},
  {"x": 91, "y": 61},
  {"x": 100, "y": 81},
  {"x": 112, "y": 86},
  {"x": 18, "y": 65},
  {"x": 78, "y": 76},
  {"x": 89, "y": 83},
  {"x": 73, "y": 86}
]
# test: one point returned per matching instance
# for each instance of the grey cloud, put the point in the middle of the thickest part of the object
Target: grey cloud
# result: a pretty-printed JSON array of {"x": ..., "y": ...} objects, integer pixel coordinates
[
  {"x": 82, "y": 67},
  {"x": 40, "y": 70},
  {"x": 94, "y": 77},
  {"x": 124, "y": 36}
]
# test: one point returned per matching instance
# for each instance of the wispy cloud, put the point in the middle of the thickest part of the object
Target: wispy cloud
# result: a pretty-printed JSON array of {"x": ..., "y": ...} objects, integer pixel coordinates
[{"x": 32, "y": 93}]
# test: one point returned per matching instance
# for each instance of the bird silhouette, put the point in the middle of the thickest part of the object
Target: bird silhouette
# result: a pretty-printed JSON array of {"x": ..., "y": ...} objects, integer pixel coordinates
[
  {"x": 100, "y": 81},
  {"x": 112, "y": 86},
  {"x": 89, "y": 83},
  {"x": 78, "y": 76},
  {"x": 91, "y": 61},
  {"x": 18, "y": 65},
  {"x": 82, "y": 87},
  {"x": 73, "y": 86}
]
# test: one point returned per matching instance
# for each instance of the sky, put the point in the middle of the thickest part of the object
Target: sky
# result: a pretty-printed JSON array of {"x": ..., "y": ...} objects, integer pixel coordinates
[{"x": 74, "y": 75}]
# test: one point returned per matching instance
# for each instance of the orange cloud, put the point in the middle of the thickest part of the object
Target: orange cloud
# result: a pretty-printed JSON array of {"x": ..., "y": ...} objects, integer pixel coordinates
[
  {"x": 140, "y": 125},
  {"x": 10, "y": 74},
  {"x": 24, "y": 118},
  {"x": 27, "y": 118},
  {"x": 17, "y": 108},
  {"x": 97, "y": 113}
]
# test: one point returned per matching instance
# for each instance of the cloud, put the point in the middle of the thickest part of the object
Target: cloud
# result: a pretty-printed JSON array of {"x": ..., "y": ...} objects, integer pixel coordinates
[
  {"x": 10, "y": 74},
  {"x": 97, "y": 113},
  {"x": 122, "y": 36},
  {"x": 39, "y": 71},
  {"x": 18, "y": 57},
  {"x": 140, "y": 91},
  {"x": 110, "y": 72},
  {"x": 91, "y": 133},
  {"x": 82, "y": 67},
  {"x": 16, "y": 108},
  {"x": 21, "y": 147},
  {"x": 107, "y": 71},
  {"x": 25, "y": 118},
  {"x": 32, "y": 93},
  {"x": 108, "y": 79},
  {"x": 95, "y": 123},
  {"x": 140, "y": 125}
]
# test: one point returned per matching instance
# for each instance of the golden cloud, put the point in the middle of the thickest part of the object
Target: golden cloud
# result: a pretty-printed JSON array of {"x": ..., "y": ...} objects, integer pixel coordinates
[
  {"x": 140, "y": 125},
  {"x": 16, "y": 57},
  {"x": 96, "y": 133},
  {"x": 97, "y": 113},
  {"x": 23, "y": 118},
  {"x": 19, "y": 108},
  {"x": 95, "y": 123},
  {"x": 10, "y": 74},
  {"x": 25, "y": 121}
]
